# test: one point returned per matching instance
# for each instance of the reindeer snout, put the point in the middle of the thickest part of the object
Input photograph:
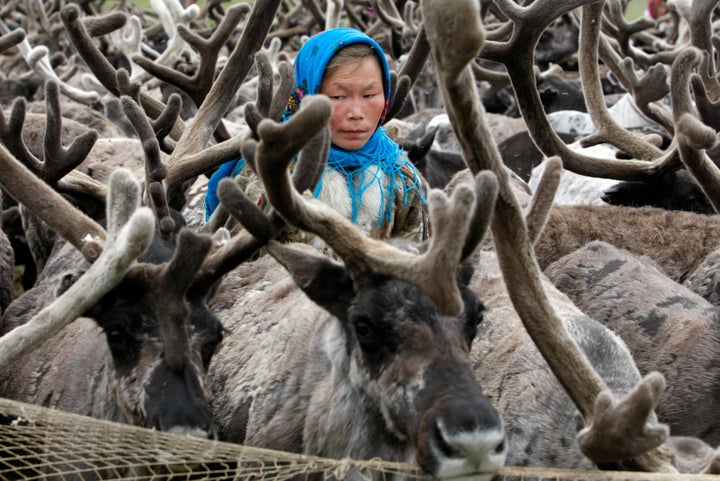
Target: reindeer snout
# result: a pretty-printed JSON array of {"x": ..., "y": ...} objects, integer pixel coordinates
[
  {"x": 462, "y": 437},
  {"x": 179, "y": 403}
]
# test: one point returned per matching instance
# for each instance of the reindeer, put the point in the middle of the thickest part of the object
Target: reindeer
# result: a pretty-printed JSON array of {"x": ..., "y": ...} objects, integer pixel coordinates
[
  {"x": 258, "y": 414},
  {"x": 429, "y": 424},
  {"x": 137, "y": 355},
  {"x": 141, "y": 354},
  {"x": 562, "y": 334},
  {"x": 667, "y": 327},
  {"x": 368, "y": 357}
]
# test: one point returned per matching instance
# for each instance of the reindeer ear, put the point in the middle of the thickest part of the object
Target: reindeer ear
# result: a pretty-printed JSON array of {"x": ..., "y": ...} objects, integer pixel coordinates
[
  {"x": 326, "y": 282},
  {"x": 67, "y": 281}
]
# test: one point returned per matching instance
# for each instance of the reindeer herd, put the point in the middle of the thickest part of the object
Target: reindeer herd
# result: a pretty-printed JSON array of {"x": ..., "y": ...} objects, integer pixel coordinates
[{"x": 527, "y": 331}]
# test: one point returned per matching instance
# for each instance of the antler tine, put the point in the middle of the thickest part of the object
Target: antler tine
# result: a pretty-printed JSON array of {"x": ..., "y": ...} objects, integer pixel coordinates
[
  {"x": 458, "y": 26},
  {"x": 333, "y": 11},
  {"x": 11, "y": 39},
  {"x": 542, "y": 199},
  {"x": 260, "y": 109},
  {"x": 260, "y": 227},
  {"x": 486, "y": 190},
  {"x": 70, "y": 223},
  {"x": 59, "y": 161},
  {"x": 409, "y": 73},
  {"x": 105, "y": 24},
  {"x": 607, "y": 129},
  {"x": 124, "y": 197},
  {"x": 265, "y": 83},
  {"x": 436, "y": 267},
  {"x": 164, "y": 123},
  {"x": 517, "y": 56},
  {"x": 282, "y": 93},
  {"x": 213, "y": 108},
  {"x": 11, "y": 135},
  {"x": 131, "y": 235},
  {"x": 698, "y": 14},
  {"x": 174, "y": 280},
  {"x": 388, "y": 13},
  {"x": 694, "y": 137}
]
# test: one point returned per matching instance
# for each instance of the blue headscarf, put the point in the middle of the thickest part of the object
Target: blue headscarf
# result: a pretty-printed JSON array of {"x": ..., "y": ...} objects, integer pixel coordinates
[{"x": 379, "y": 150}]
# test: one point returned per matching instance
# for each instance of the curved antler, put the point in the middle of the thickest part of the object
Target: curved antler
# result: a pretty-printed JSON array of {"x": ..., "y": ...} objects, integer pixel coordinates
[
  {"x": 130, "y": 233},
  {"x": 433, "y": 271},
  {"x": 694, "y": 137},
  {"x": 517, "y": 56},
  {"x": 461, "y": 25}
]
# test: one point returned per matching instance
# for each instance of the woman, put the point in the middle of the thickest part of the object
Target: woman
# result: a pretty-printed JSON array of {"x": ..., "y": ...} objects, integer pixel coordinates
[{"x": 368, "y": 179}]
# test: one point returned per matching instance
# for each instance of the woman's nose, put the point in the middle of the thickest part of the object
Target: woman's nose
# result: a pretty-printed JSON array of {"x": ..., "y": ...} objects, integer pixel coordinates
[{"x": 355, "y": 110}]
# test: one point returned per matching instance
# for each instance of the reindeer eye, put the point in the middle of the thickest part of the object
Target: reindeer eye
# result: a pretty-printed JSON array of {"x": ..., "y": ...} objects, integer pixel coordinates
[
  {"x": 122, "y": 344},
  {"x": 362, "y": 328}
]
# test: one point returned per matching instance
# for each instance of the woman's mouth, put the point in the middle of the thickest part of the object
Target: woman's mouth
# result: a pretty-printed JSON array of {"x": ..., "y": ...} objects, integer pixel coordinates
[{"x": 354, "y": 133}]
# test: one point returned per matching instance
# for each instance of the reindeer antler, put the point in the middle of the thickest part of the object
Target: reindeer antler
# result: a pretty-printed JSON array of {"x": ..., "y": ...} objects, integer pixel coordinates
[
  {"x": 448, "y": 28},
  {"x": 130, "y": 233},
  {"x": 694, "y": 137},
  {"x": 433, "y": 271},
  {"x": 58, "y": 160},
  {"x": 261, "y": 227},
  {"x": 517, "y": 55}
]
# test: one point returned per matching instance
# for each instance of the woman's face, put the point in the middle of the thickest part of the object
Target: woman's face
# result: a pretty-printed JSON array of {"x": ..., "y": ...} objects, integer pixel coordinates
[{"x": 356, "y": 91}]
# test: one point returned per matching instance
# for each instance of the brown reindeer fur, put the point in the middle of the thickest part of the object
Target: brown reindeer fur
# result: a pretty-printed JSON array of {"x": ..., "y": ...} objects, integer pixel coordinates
[{"x": 677, "y": 241}]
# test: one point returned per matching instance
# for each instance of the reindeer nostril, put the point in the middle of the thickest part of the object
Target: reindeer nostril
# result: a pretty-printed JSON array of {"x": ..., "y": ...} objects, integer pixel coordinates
[
  {"x": 500, "y": 448},
  {"x": 442, "y": 444}
]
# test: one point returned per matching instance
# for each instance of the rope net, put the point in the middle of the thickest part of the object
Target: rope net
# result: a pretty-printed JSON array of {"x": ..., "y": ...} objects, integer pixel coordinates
[{"x": 38, "y": 444}]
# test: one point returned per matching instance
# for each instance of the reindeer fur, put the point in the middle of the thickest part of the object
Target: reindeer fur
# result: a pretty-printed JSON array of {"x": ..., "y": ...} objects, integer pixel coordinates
[
  {"x": 667, "y": 327},
  {"x": 542, "y": 428},
  {"x": 677, "y": 241},
  {"x": 290, "y": 375}
]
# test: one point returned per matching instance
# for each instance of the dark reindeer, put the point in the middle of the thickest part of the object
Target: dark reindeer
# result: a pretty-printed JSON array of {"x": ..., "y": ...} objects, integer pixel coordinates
[
  {"x": 364, "y": 358},
  {"x": 141, "y": 353}
]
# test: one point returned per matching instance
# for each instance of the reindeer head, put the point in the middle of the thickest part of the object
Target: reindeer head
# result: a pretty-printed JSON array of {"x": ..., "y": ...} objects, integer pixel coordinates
[{"x": 403, "y": 322}]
